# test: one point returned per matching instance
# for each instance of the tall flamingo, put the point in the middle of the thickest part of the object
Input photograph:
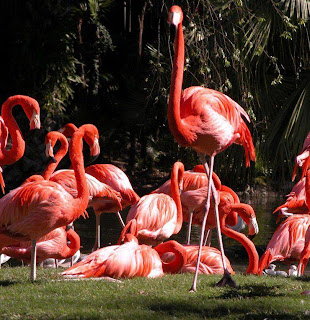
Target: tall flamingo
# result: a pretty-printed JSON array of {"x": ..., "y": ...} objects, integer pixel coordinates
[
  {"x": 205, "y": 120},
  {"x": 112, "y": 176},
  {"x": 36, "y": 208},
  {"x": 9, "y": 125},
  {"x": 210, "y": 263},
  {"x": 53, "y": 245},
  {"x": 287, "y": 242},
  {"x": 129, "y": 260},
  {"x": 156, "y": 217}
]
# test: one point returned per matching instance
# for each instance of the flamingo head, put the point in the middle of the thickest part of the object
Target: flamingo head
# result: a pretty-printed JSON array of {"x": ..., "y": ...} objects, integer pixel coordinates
[
  {"x": 33, "y": 113},
  {"x": 50, "y": 141},
  {"x": 68, "y": 129},
  {"x": 175, "y": 16},
  {"x": 92, "y": 139}
]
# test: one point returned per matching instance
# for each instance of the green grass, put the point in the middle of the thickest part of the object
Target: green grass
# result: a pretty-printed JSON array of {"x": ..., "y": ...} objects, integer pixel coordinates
[{"x": 164, "y": 298}]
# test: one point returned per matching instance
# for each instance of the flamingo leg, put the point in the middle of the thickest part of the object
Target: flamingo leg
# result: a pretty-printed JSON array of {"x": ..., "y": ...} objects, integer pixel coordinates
[
  {"x": 226, "y": 280},
  {"x": 189, "y": 228},
  {"x": 56, "y": 264},
  {"x": 208, "y": 237},
  {"x": 97, "y": 241},
  {"x": 33, "y": 270},
  {"x": 120, "y": 219},
  {"x": 203, "y": 227}
]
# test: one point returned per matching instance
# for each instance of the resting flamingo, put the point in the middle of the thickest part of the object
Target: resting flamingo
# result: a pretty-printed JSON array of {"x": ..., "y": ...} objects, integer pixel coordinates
[
  {"x": 156, "y": 217},
  {"x": 112, "y": 176},
  {"x": 207, "y": 121},
  {"x": 9, "y": 125},
  {"x": 36, "y": 208},
  {"x": 129, "y": 260},
  {"x": 210, "y": 263},
  {"x": 287, "y": 242},
  {"x": 53, "y": 245}
]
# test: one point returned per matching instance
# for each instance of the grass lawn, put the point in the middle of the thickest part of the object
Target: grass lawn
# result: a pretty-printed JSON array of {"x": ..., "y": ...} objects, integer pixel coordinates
[{"x": 165, "y": 298}]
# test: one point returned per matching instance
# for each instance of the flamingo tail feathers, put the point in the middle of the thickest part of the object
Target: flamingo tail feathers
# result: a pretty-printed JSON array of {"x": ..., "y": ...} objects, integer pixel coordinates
[
  {"x": 246, "y": 141},
  {"x": 264, "y": 261}
]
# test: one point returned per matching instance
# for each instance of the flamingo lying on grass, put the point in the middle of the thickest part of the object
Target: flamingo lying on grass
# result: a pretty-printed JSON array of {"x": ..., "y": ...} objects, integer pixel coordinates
[
  {"x": 9, "y": 125},
  {"x": 288, "y": 243},
  {"x": 112, "y": 176},
  {"x": 129, "y": 260},
  {"x": 156, "y": 217},
  {"x": 36, "y": 208},
  {"x": 207, "y": 121}
]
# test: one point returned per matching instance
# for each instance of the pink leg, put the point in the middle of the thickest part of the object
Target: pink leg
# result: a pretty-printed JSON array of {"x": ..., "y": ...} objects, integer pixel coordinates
[
  {"x": 33, "y": 270},
  {"x": 189, "y": 228},
  {"x": 203, "y": 227},
  {"x": 120, "y": 219}
]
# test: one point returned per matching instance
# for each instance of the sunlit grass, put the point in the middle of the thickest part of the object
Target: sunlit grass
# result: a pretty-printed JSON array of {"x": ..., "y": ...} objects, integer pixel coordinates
[{"x": 168, "y": 297}]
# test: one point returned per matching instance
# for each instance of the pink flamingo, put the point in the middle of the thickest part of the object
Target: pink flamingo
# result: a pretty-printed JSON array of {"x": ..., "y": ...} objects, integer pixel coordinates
[
  {"x": 112, "y": 176},
  {"x": 210, "y": 263},
  {"x": 303, "y": 159},
  {"x": 156, "y": 217},
  {"x": 36, "y": 208},
  {"x": 129, "y": 260},
  {"x": 207, "y": 121},
  {"x": 9, "y": 125},
  {"x": 53, "y": 245},
  {"x": 287, "y": 242}
]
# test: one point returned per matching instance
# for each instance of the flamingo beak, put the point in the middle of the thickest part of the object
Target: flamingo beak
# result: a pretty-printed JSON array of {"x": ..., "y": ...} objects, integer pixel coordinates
[
  {"x": 95, "y": 148},
  {"x": 35, "y": 122},
  {"x": 50, "y": 152},
  {"x": 253, "y": 228}
]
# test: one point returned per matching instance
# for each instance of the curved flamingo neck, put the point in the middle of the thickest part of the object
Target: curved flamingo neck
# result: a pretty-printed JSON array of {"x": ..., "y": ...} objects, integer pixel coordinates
[
  {"x": 76, "y": 157},
  {"x": 18, "y": 143},
  {"x": 246, "y": 242},
  {"x": 180, "y": 256},
  {"x": 307, "y": 186},
  {"x": 178, "y": 129},
  {"x": 176, "y": 177},
  {"x": 58, "y": 156},
  {"x": 74, "y": 245}
]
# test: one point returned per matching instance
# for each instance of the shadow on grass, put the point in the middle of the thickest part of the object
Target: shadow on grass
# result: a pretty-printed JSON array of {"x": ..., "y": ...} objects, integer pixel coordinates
[
  {"x": 304, "y": 279},
  {"x": 250, "y": 292},
  {"x": 7, "y": 283}
]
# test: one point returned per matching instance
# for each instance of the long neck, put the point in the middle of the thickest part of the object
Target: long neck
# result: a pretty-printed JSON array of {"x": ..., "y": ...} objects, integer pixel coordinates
[
  {"x": 74, "y": 245},
  {"x": 76, "y": 157},
  {"x": 180, "y": 256},
  {"x": 179, "y": 131},
  {"x": 175, "y": 194},
  {"x": 308, "y": 189},
  {"x": 246, "y": 242},
  {"x": 58, "y": 156},
  {"x": 18, "y": 143}
]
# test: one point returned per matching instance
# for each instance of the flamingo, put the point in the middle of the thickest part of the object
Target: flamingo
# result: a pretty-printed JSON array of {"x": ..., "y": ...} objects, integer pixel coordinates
[
  {"x": 288, "y": 243},
  {"x": 207, "y": 121},
  {"x": 34, "y": 209},
  {"x": 210, "y": 263},
  {"x": 303, "y": 159},
  {"x": 156, "y": 217},
  {"x": 9, "y": 125},
  {"x": 129, "y": 260},
  {"x": 112, "y": 176},
  {"x": 53, "y": 245},
  {"x": 102, "y": 198}
]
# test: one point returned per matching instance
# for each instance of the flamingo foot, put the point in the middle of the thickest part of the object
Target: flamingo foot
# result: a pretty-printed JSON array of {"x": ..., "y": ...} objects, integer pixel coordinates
[
  {"x": 227, "y": 281},
  {"x": 193, "y": 288}
]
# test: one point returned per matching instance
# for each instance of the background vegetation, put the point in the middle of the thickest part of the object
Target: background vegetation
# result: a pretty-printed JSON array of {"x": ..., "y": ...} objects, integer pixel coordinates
[{"x": 108, "y": 62}]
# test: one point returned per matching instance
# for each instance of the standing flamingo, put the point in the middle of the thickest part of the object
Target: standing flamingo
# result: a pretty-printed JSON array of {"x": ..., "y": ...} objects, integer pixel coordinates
[
  {"x": 287, "y": 242},
  {"x": 36, "y": 208},
  {"x": 156, "y": 217},
  {"x": 9, "y": 125},
  {"x": 207, "y": 121},
  {"x": 53, "y": 245},
  {"x": 129, "y": 260},
  {"x": 112, "y": 176}
]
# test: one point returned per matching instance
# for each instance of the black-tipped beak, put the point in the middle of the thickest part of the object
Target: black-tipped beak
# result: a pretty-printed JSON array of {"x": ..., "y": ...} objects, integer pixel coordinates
[
  {"x": 53, "y": 159},
  {"x": 91, "y": 159},
  {"x": 251, "y": 236}
]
